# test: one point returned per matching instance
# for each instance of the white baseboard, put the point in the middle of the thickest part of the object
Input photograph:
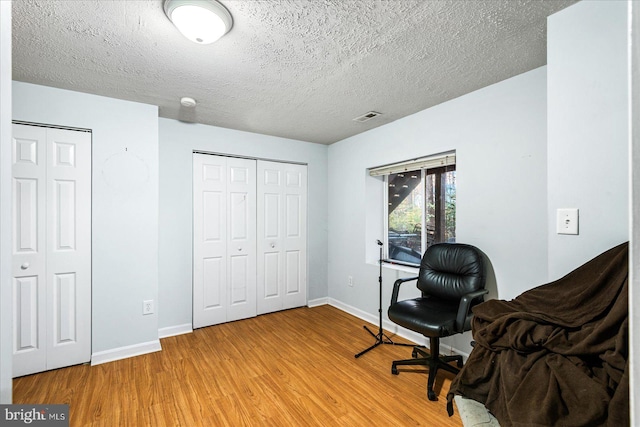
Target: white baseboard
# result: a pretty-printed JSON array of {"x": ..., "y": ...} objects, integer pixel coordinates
[
  {"x": 317, "y": 302},
  {"x": 393, "y": 328},
  {"x": 153, "y": 346},
  {"x": 171, "y": 331},
  {"x": 125, "y": 352},
  {"x": 386, "y": 324}
]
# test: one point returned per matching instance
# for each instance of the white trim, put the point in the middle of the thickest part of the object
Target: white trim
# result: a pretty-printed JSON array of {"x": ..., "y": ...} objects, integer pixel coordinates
[
  {"x": 171, "y": 331},
  {"x": 235, "y": 156},
  {"x": 6, "y": 222},
  {"x": 125, "y": 352},
  {"x": 386, "y": 324},
  {"x": 50, "y": 126},
  {"x": 634, "y": 203},
  {"x": 429, "y": 162},
  {"x": 317, "y": 302},
  {"x": 413, "y": 271},
  {"x": 393, "y": 328}
]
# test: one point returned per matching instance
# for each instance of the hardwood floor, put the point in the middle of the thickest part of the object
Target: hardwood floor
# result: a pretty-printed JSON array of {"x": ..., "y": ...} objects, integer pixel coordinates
[{"x": 291, "y": 368}]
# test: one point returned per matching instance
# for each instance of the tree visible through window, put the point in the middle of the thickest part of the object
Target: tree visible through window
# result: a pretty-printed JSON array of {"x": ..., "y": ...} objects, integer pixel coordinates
[{"x": 421, "y": 211}]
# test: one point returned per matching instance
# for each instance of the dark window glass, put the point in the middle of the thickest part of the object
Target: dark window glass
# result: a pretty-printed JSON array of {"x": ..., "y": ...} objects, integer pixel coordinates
[{"x": 416, "y": 198}]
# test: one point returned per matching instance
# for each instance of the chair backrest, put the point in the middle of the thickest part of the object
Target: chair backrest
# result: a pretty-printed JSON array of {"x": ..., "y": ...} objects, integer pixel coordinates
[{"x": 450, "y": 270}]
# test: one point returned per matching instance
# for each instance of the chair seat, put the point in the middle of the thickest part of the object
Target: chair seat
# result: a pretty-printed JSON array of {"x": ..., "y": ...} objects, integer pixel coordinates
[{"x": 432, "y": 317}]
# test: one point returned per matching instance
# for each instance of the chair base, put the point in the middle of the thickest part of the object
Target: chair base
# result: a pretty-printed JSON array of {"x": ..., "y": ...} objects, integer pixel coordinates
[{"x": 433, "y": 360}]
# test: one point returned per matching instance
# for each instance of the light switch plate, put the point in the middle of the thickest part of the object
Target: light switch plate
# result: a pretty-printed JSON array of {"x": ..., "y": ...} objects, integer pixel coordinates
[{"x": 567, "y": 221}]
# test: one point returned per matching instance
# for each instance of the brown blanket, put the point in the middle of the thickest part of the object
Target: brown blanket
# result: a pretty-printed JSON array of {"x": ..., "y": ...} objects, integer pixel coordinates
[{"x": 557, "y": 354}]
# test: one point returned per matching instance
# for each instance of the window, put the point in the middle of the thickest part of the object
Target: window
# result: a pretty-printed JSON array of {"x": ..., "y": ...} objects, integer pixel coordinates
[{"x": 420, "y": 206}]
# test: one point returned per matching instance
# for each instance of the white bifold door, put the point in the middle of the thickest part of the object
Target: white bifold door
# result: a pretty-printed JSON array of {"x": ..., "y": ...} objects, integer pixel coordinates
[
  {"x": 224, "y": 239},
  {"x": 249, "y": 238},
  {"x": 51, "y": 248},
  {"x": 282, "y": 236}
]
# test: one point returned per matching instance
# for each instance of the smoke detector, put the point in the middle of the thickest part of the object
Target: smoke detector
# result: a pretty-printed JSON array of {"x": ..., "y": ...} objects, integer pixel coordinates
[
  {"x": 185, "y": 101},
  {"x": 367, "y": 116}
]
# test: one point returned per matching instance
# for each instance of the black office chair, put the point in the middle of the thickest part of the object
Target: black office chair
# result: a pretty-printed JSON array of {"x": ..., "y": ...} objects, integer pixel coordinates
[{"x": 452, "y": 280}]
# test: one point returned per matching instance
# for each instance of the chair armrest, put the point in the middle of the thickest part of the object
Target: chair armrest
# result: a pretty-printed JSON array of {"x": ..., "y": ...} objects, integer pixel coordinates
[
  {"x": 465, "y": 305},
  {"x": 396, "y": 288}
]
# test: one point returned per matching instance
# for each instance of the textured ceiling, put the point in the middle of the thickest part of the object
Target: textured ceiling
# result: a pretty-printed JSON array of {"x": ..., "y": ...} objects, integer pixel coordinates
[{"x": 300, "y": 69}]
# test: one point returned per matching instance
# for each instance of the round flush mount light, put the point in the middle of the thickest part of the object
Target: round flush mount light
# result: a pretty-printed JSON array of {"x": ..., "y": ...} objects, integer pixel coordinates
[
  {"x": 201, "y": 21},
  {"x": 188, "y": 102}
]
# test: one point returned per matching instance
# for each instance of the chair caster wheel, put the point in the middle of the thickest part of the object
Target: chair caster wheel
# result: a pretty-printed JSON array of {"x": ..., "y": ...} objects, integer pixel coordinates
[
  {"x": 459, "y": 363},
  {"x": 394, "y": 370},
  {"x": 432, "y": 395},
  {"x": 414, "y": 353}
]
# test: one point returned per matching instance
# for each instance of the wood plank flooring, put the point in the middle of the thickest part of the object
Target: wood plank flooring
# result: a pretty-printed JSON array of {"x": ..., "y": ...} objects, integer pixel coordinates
[{"x": 291, "y": 368}]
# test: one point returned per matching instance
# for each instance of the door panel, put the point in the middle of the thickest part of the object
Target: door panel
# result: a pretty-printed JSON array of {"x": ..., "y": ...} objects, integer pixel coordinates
[
  {"x": 292, "y": 269},
  {"x": 209, "y": 241},
  {"x": 281, "y": 236},
  {"x": 65, "y": 313},
  {"x": 239, "y": 217},
  {"x": 270, "y": 215},
  {"x": 213, "y": 206},
  {"x": 26, "y": 202},
  {"x": 68, "y": 247},
  {"x": 212, "y": 274},
  {"x": 271, "y": 274},
  {"x": 64, "y": 221},
  {"x": 25, "y": 292},
  {"x": 224, "y": 239},
  {"x": 242, "y": 238},
  {"x": 238, "y": 280},
  {"x": 295, "y": 244},
  {"x": 29, "y": 279},
  {"x": 292, "y": 216},
  {"x": 26, "y": 147},
  {"x": 270, "y": 269},
  {"x": 65, "y": 154},
  {"x": 52, "y": 248}
]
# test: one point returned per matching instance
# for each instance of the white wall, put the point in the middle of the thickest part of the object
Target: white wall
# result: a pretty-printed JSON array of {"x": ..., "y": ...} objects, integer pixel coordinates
[
  {"x": 588, "y": 155},
  {"x": 6, "y": 304},
  {"x": 499, "y": 134},
  {"x": 124, "y": 204},
  {"x": 512, "y": 174},
  {"x": 178, "y": 140}
]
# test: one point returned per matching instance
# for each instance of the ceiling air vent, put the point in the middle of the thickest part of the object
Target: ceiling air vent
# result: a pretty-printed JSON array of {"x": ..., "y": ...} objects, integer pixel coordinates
[{"x": 367, "y": 116}]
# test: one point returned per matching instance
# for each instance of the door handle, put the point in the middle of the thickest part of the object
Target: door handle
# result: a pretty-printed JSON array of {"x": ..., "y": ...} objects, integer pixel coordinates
[
  {"x": 273, "y": 245},
  {"x": 24, "y": 266}
]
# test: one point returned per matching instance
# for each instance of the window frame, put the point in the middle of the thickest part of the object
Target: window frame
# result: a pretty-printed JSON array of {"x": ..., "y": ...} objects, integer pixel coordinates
[{"x": 423, "y": 164}]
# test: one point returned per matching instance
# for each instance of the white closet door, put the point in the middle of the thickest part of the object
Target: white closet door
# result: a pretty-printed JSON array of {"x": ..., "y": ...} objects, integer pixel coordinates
[
  {"x": 52, "y": 248},
  {"x": 282, "y": 231},
  {"x": 29, "y": 250},
  {"x": 209, "y": 240},
  {"x": 68, "y": 247},
  {"x": 241, "y": 243},
  {"x": 223, "y": 239}
]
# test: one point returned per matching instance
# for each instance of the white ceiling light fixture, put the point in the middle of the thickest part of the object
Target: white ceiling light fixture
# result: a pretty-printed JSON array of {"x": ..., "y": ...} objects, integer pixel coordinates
[{"x": 201, "y": 21}]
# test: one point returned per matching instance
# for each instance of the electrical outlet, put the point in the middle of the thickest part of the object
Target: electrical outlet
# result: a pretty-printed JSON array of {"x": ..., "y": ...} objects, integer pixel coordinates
[
  {"x": 351, "y": 281},
  {"x": 147, "y": 307}
]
